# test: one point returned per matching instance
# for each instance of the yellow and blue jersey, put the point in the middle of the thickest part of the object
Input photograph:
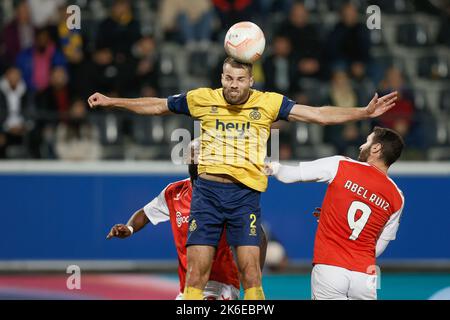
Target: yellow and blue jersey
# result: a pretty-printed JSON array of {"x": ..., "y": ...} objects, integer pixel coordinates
[{"x": 233, "y": 137}]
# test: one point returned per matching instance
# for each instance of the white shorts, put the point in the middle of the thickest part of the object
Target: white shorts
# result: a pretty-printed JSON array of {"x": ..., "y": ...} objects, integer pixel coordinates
[
  {"x": 217, "y": 291},
  {"x": 335, "y": 283}
]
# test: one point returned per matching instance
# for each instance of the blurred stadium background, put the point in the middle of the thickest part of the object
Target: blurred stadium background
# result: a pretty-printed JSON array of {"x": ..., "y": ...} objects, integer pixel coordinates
[{"x": 67, "y": 174}]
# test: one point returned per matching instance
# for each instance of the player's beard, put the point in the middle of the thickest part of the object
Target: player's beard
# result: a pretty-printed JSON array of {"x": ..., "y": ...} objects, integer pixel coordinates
[
  {"x": 364, "y": 154},
  {"x": 235, "y": 96}
]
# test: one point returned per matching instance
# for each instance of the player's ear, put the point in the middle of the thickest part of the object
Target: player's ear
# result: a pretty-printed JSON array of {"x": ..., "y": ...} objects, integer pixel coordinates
[
  {"x": 375, "y": 148},
  {"x": 252, "y": 81}
]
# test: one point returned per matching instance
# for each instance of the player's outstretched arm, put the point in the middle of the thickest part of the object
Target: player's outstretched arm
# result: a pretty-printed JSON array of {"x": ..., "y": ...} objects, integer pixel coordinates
[
  {"x": 334, "y": 115},
  {"x": 285, "y": 174},
  {"x": 137, "y": 221},
  {"x": 320, "y": 170},
  {"x": 145, "y": 106}
]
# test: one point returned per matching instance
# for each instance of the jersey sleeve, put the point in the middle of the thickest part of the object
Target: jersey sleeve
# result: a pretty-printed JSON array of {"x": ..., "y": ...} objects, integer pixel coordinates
[
  {"x": 390, "y": 229},
  {"x": 285, "y": 108},
  {"x": 157, "y": 210},
  {"x": 380, "y": 246},
  {"x": 321, "y": 170},
  {"x": 178, "y": 104}
]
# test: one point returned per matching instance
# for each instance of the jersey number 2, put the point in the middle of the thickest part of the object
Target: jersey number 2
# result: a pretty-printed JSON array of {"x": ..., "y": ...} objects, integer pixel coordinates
[{"x": 357, "y": 226}]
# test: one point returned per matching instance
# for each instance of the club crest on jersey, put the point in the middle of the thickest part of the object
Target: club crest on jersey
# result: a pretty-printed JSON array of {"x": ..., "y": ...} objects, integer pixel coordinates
[
  {"x": 255, "y": 114},
  {"x": 193, "y": 226},
  {"x": 214, "y": 109}
]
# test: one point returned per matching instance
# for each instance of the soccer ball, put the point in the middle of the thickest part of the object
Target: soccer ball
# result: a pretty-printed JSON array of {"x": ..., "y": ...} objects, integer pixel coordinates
[
  {"x": 245, "y": 42},
  {"x": 275, "y": 254}
]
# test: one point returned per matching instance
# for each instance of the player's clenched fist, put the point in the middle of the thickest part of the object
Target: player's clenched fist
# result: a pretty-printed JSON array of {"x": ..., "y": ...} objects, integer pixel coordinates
[
  {"x": 120, "y": 231},
  {"x": 271, "y": 168},
  {"x": 99, "y": 100}
]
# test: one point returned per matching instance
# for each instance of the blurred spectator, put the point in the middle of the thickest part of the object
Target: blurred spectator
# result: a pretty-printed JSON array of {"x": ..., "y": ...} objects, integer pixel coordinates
[
  {"x": 349, "y": 43},
  {"x": 341, "y": 91},
  {"x": 268, "y": 7},
  {"x": 119, "y": 32},
  {"x": 191, "y": 19},
  {"x": 115, "y": 40},
  {"x": 286, "y": 152},
  {"x": 342, "y": 94},
  {"x": 53, "y": 103},
  {"x": 147, "y": 66},
  {"x": 399, "y": 118},
  {"x": 45, "y": 12},
  {"x": 443, "y": 34},
  {"x": 77, "y": 139},
  {"x": 56, "y": 65},
  {"x": 279, "y": 67},
  {"x": 233, "y": 11},
  {"x": 37, "y": 62},
  {"x": 14, "y": 108},
  {"x": 17, "y": 35},
  {"x": 305, "y": 40},
  {"x": 101, "y": 73},
  {"x": 51, "y": 106}
]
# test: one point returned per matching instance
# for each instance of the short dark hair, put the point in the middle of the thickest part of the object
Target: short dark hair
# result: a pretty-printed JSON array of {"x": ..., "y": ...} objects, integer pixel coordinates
[
  {"x": 391, "y": 142},
  {"x": 238, "y": 64}
]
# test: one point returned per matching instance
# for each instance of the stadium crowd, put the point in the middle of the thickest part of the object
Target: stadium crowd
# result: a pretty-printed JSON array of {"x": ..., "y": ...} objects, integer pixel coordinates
[{"x": 317, "y": 52}]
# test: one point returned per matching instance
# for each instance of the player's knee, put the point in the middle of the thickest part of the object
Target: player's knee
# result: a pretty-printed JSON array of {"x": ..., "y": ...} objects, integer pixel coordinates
[
  {"x": 251, "y": 277},
  {"x": 251, "y": 270},
  {"x": 196, "y": 278}
]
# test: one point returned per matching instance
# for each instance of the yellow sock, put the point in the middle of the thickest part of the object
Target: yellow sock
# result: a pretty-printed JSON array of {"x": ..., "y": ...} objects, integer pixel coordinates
[
  {"x": 191, "y": 293},
  {"x": 255, "y": 293}
]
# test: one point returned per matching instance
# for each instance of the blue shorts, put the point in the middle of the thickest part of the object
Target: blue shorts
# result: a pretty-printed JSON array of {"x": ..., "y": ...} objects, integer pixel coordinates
[{"x": 215, "y": 205}]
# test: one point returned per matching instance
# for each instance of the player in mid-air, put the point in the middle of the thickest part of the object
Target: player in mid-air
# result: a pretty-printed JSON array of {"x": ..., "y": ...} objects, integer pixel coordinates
[
  {"x": 360, "y": 214},
  {"x": 235, "y": 125},
  {"x": 173, "y": 204}
]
